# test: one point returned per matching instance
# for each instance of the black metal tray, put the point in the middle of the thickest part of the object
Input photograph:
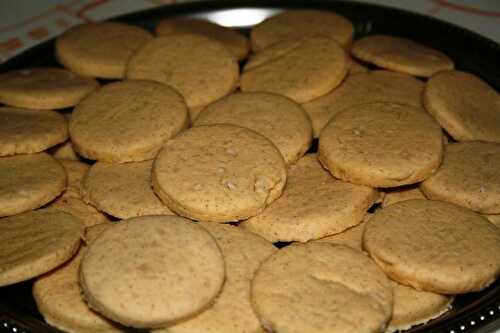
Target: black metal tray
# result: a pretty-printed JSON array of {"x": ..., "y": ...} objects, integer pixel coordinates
[{"x": 475, "y": 312}]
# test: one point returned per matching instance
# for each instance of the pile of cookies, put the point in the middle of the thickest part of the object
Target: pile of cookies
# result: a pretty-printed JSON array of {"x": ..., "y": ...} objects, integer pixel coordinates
[{"x": 154, "y": 201}]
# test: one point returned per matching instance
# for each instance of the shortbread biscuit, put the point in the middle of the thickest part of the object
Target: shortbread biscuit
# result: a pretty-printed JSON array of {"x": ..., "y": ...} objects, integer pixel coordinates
[
  {"x": 434, "y": 246},
  {"x": 35, "y": 242},
  {"x": 79, "y": 209},
  {"x": 381, "y": 145},
  {"x": 231, "y": 312},
  {"x": 276, "y": 117},
  {"x": 28, "y": 182},
  {"x": 218, "y": 173},
  {"x": 123, "y": 190},
  {"x": 403, "y": 193},
  {"x": 201, "y": 69},
  {"x": 375, "y": 86},
  {"x": 100, "y": 49},
  {"x": 301, "y": 24},
  {"x": 24, "y": 131},
  {"x": 320, "y": 287},
  {"x": 305, "y": 72},
  {"x": 466, "y": 106},
  {"x": 127, "y": 121},
  {"x": 44, "y": 88},
  {"x": 150, "y": 271},
  {"x": 313, "y": 205},
  {"x": 401, "y": 55},
  {"x": 469, "y": 177},
  {"x": 234, "y": 41}
]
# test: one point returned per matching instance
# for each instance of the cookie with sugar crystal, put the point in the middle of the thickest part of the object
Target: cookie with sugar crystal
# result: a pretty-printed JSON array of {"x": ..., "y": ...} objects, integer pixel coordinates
[
  {"x": 28, "y": 182},
  {"x": 100, "y": 49},
  {"x": 469, "y": 176},
  {"x": 434, "y": 246},
  {"x": 234, "y": 41},
  {"x": 44, "y": 88},
  {"x": 201, "y": 69},
  {"x": 25, "y": 131},
  {"x": 313, "y": 205},
  {"x": 122, "y": 190},
  {"x": 276, "y": 117},
  {"x": 49, "y": 238},
  {"x": 218, "y": 173},
  {"x": 374, "y": 86},
  {"x": 401, "y": 55},
  {"x": 466, "y": 106},
  {"x": 334, "y": 288},
  {"x": 151, "y": 271},
  {"x": 304, "y": 23},
  {"x": 127, "y": 121},
  {"x": 381, "y": 145},
  {"x": 301, "y": 73}
]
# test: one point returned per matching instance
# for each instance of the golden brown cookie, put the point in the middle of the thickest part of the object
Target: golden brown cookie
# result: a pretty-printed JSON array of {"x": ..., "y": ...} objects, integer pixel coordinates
[
  {"x": 403, "y": 193},
  {"x": 79, "y": 209},
  {"x": 75, "y": 170},
  {"x": 127, "y": 121},
  {"x": 64, "y": 151},
  {"x": 495, "y": 219},
  {"x": 274, "y": 51},
  {"x": 352, "y": 237},
  {"x": 401, "y": 55},
  {"x": 100, "y": 49},
  {"x": 381, "y": 145}
]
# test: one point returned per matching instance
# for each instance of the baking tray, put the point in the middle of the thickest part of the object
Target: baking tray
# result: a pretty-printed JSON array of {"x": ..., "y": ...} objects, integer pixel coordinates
[{"x": 475, "y": 312}]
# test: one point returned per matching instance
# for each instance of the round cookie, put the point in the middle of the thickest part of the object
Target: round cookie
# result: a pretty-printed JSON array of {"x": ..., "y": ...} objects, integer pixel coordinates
[
  {"x": 122, "y": 190},
  {"x": 127, "y": 121},
  {"x": 234, "y": 41},
  {"x": 79, "y": 209},
  {"x": 75, "y": 171},
  {"x": 44, "y": 239},
  {"x": 24, "y": 131},
  {"x": 305, "y": 72},
  {"x": 374, "y": 86},
  {"x": 381, "y": 145},
  {"x": 403, "y": 193},
  {"x": 44, "y": 88},
  {"x": 320, "y": 287},
  {"x": 304, "y": 23},
  {"x": 313, "y": 205},
  {"x": 162, "y": 268},
  {"x": 434, "y": 246},
  {"x": 201, "y": 69},
  {"x": 218, "y": 173},
  {"x": 401, "y": 55},
  {"x": 277, "y": 118},
  {"x": 100, "y": 49},
  {"x": 231, "y": 312},
  {"x": 469, "y": 176},
  {"x": 464, "y": 105},
  {"x": 28, "y": 182}
]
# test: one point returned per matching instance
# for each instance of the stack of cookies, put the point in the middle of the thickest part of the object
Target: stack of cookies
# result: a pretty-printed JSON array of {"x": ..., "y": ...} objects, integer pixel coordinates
[{"x": 153, "y": 200}]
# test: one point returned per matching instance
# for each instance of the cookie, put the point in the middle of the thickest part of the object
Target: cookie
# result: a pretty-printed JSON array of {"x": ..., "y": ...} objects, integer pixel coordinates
[
  {"x": 44, "y": 239},
  {"x": 464, "y": 105},
  {"x": 304, "y": 23},
  {"x": 375, "y": 86},
  {"x": 218, "y": 173},
  {"x": 201, "y": 69},
  {"x": 75, "y": 170},
  {"x": 58, "y": 299},
  {"x": 320, "y": 287},
  {"x": 352, "y": 237},
  {"x": 495, "y": 219},
  {"x": 127, "y": 121},
  {"x": 231, "y": 312},
  {"x": 276, "y": 117},
  {"x": 100, "y": 49},
  {"x": 381, "y": 145},
  {"x": 28, "y": 182},
  {"x": 355, "y": 67},
  {"x": 123, "y": 190},
  {"x": 24, "y": 131},
  {"x": 469, "y": 177},
  {"x": 313, "y": 205},
  {"x": 87, "y": 214},
  {"x": 44, "y": 88},
  {"x": 64, "y": 151},
  {"x": 305, "y": 72},
  {"x": 434, "y": 246},
  {"x": 403, "y": 193},
  {"x": 234, "y": 41},
  {"x": 151, "y": 271},
  {"x": 274, "y": 51},
  {"x": 401, "y": 55}
]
